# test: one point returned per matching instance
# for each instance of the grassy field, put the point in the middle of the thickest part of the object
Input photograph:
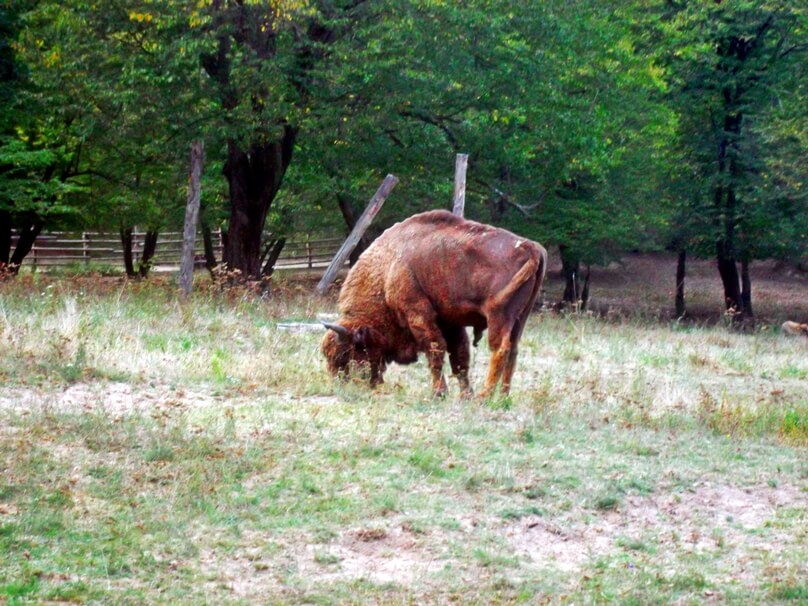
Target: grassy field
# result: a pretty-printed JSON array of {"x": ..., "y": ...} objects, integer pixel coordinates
[{"x": 158, "y": 452}]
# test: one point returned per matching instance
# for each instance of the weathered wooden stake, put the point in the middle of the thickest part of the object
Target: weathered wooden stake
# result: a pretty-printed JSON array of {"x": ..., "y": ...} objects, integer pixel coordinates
[
  {"x": 459, "y": 198},
  {"x": 373, "y": 207},
  {"x": 191, "y": 216}
]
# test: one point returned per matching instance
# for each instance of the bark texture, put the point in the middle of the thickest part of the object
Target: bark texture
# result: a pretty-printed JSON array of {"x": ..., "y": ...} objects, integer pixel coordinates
[
  {"x": 254, "y": 178},
  {"x": 210, "y": 251},
  {"x": 31, "y": 225},
  {"x": 128, "y": 259}
]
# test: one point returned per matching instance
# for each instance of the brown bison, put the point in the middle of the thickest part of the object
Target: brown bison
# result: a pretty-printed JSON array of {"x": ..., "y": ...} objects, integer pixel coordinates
[
  {"x": 418, "y": 286},
  {"x": 795, "y": 329}
]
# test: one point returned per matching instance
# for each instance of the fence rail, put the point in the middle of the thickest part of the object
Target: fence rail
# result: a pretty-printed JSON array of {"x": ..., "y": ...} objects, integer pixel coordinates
[{"x": 55, "y": 249}]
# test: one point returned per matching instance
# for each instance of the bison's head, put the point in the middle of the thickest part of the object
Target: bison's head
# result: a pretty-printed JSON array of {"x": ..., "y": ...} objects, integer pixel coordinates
[{"x": 345, "y": 346}]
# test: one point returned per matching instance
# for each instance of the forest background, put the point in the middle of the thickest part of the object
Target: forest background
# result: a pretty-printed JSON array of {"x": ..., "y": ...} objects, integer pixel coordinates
[{"x": 593, "y": 127}]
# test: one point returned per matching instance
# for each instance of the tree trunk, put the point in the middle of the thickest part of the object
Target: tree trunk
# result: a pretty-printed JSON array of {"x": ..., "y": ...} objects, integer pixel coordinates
[
  {"x": 725, "y": 245},
  {"x": 254, "y": 179},
  {"x": 274, "y": 252},
  {"x": 31, "y": 227},
  {"x": 210, "y": 251},
  {"x": 571, "y": 268},
  {"x": 126, "y": 243},
  {"x": 681, "y": 268},
  {"x": 728, "y": 270},
  {"x": 746, "y": 289},
  {"x": 5, "y": 238},
  {"x": 149, "y": 247},
  {"x": 730, "y": 167}
]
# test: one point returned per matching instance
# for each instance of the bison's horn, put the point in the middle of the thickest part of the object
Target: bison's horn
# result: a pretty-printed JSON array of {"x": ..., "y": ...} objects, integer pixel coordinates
[{"x": 337, "y": 328}]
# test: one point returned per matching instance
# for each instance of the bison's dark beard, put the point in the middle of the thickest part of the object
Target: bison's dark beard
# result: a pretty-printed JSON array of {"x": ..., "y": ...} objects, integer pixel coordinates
[
  {"x": 337, "y": 353},
  {"x": 344, "y": 359}
]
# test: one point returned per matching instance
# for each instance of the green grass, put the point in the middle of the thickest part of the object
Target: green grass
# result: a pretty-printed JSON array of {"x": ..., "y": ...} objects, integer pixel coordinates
[{"x": 156, "y": 452}]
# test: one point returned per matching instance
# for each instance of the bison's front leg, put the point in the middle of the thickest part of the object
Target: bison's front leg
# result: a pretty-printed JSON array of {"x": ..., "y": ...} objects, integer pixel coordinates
[
  {"x": 430, "y": 341},
  {"x": 415, "y": 310},
  {"x": 457, "y": 343},
  {"x": 435, "y": 355},
  {"x": 376, "y": 375}
]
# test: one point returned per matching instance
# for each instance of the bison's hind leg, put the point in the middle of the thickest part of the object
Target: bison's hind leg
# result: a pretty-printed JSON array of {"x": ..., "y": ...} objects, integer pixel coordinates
[
  {"x": 376, "y": 374},
  {"x": 500, "y": 343},
  {"x": 516, "y": 336},
  {"x": 505, "y": 325},
  {"x": 510, "y": 361}
]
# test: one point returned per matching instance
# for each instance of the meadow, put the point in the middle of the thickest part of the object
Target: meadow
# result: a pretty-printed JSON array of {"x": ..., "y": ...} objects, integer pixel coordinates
[{"x": 155, "y": 451}]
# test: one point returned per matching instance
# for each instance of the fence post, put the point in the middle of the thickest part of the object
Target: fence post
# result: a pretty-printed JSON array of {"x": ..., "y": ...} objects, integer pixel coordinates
[
  {"x": 308, "y": 250},
  {"x": 186, "y": 277},
  {"x": 459, "y": 197},
  {"x": 372, "y": 209},
  {"x": 85, "y": 248}
]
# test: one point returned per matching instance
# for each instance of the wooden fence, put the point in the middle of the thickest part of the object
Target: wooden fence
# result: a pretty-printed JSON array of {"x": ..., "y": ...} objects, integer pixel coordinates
[{"x": 103, "y": 249}]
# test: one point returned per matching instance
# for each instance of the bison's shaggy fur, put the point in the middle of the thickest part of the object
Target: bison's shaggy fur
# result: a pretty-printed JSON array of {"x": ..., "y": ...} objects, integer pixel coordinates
[{"x": 418, "y": 286}]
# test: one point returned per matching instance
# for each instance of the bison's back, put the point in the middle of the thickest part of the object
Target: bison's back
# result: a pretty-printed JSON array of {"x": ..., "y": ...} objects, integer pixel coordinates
[
  {"x": 454, "y": 259},
  {"x": 457, "y": 264},
  {"x": 366, "y": 278}
]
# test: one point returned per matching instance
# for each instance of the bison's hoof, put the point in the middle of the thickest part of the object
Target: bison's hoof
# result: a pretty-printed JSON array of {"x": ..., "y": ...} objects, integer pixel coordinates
[
  {"x": 439, "y": 388},
  {"x": 440, "y": 392}
]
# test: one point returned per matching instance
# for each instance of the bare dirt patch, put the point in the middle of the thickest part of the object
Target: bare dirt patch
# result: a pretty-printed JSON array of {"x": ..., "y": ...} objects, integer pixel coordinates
[
  {"x": 542, "y": 543},
  {"x": 644, "y": 284},
  {"x": 265, "y": 564},
  {"x": 391, "y": 555},
  {"x": 114, "y": 400},
  {"x": 738, "y": 522}
]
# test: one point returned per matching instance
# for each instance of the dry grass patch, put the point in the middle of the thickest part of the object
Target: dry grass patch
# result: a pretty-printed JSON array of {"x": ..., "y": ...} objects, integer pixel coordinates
[{"x": 153, "y": 452}]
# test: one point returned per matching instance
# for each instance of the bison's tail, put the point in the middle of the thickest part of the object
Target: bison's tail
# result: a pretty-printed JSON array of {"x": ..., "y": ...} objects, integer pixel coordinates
[{"x": 535, "y": 266}]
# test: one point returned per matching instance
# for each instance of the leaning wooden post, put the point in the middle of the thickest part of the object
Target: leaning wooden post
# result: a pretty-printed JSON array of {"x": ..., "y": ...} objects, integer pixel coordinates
[
  {"x": 459, "y": 198},
  {"x": 191, "y": 216},
  {"x": 373, "y": 207}
]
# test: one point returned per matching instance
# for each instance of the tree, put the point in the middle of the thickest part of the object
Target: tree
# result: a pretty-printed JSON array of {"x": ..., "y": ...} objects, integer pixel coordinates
[
  {"x": 260, "y": 63},
  {"x": 114, "y": 100},
  {"x": 35, "y": 159},
  {"x": 551, "y": 101},
  {"x": 146, "y": 92},
  {"x": 737, "y": 69}
]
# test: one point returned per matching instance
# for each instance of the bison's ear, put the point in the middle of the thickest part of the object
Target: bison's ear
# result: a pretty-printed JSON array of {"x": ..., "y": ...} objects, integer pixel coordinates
[{"x": 343, "y": 333}]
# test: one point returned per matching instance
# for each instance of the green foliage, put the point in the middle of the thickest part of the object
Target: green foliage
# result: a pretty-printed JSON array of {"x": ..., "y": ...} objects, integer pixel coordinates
[
  {"x": 589, "y": 126},
  {"x": 735, "y": 70},
  {"x": 552, "y": 102}
]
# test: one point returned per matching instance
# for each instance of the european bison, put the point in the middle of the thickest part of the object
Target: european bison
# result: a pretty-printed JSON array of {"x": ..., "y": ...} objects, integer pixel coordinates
[
  {"x": 795, "y": 329},
  {"x": 418, "y": 286}
]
